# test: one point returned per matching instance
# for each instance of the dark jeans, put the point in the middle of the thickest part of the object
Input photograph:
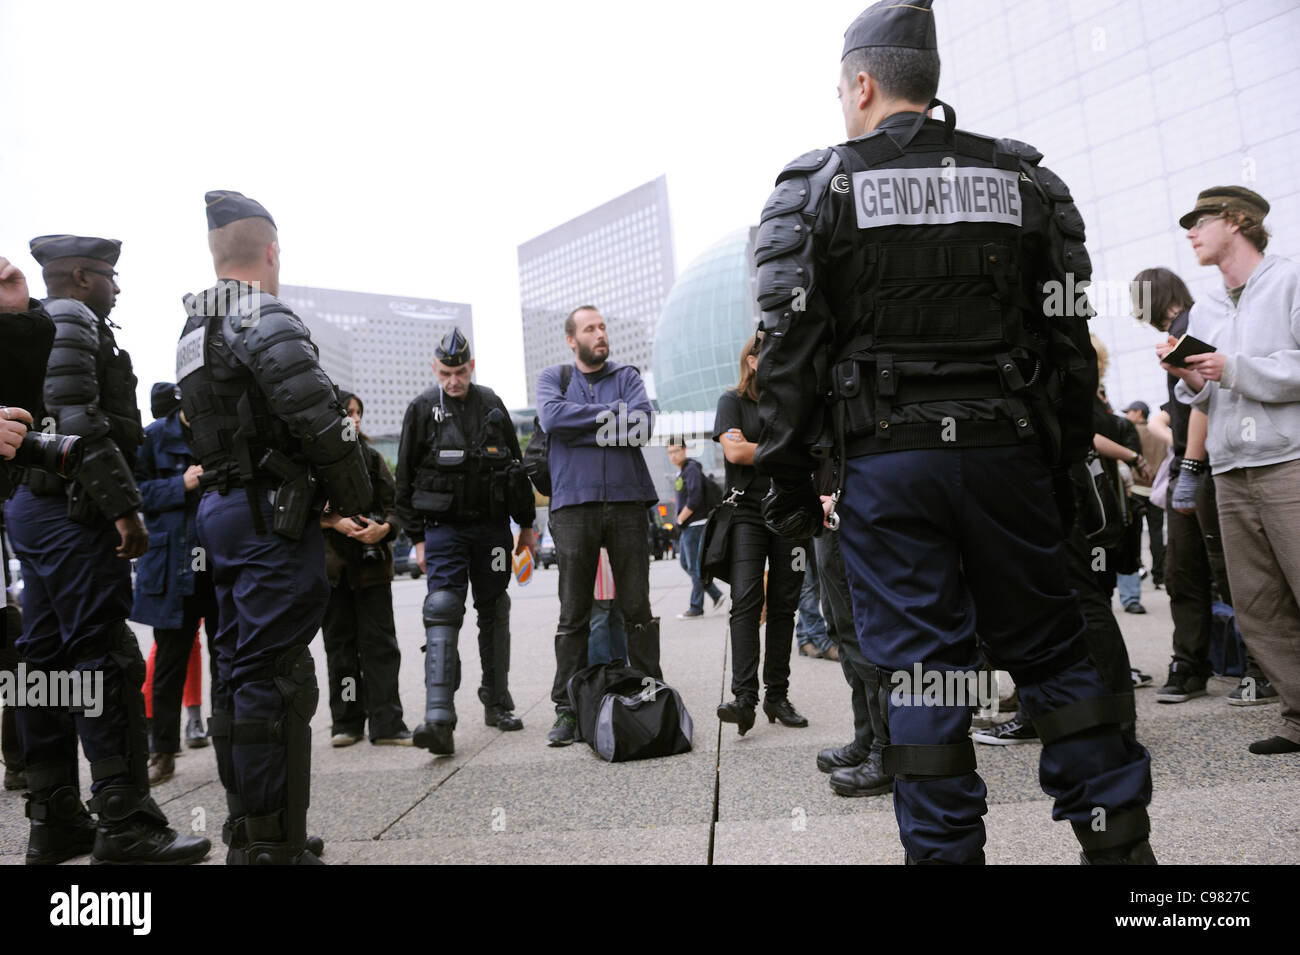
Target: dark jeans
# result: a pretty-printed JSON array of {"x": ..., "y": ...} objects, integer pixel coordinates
[
  {"x": 1155, "y": 518},
  {"x": 752, "y": 547},
  {"x": 810, "y": 624},
  {"x": 1193, "y": 563},
  {"x": 580, "y": 531},
  {"x": 608, "y": 640},
  {"x": 870, "y": 730},
  {"x": 689, "y": 553},
  {"x": 172, "y": 660},
  {"x": 361, "y": 648}
]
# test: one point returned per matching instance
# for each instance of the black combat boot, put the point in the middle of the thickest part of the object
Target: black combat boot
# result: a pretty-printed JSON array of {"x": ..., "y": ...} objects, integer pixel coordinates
[
  {"x": 60, "y": 826},
  {"x": 133, "y": 831}
]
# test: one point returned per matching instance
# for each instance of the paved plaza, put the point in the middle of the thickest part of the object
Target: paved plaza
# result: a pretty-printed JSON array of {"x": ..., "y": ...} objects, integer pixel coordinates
[{"x": 508, "y": 798}]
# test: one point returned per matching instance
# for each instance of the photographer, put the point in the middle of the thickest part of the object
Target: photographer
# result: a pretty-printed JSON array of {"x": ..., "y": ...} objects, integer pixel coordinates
[
  {"x": 360, "y": 640},
  {"x": 26, "y": 334}
]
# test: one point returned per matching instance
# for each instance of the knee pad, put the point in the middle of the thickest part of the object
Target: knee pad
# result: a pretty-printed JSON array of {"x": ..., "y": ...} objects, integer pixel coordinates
[
  {"x": 444, "y": 608},
  {"x": 295, "y": 678}
]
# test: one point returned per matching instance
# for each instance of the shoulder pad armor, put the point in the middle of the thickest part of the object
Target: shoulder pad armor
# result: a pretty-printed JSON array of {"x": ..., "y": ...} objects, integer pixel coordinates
[
  {"x": 1025, "y": 151},
  {"x": 65, "y": 308},
  {"x": 788, "y": 215},
  {"x": 812, "y": 160},
  {"x": 260, "y": 322}
]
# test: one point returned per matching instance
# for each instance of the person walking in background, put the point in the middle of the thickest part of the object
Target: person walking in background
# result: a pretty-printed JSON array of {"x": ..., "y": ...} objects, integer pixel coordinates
[
  {"x": 361, "y": 650},
  {"x": 752, "y": 546},
  {"x": 693, "y": 507}
]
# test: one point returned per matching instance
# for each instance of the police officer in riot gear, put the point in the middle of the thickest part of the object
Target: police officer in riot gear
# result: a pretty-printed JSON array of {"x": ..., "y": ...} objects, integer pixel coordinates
[
  {"x": 459, "y": 482},
  {"x": 274, "y": 442},
  {"x": 909, "y": 269},
  {"x": 75, "y": 539}
]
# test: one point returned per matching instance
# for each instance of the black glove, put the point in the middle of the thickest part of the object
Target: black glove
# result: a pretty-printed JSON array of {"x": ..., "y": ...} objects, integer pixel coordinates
[{"x": 793, "y": 511}]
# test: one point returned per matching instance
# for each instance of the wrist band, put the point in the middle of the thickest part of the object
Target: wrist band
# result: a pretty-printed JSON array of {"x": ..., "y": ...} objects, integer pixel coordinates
[{"x": 1193, "y": 466}]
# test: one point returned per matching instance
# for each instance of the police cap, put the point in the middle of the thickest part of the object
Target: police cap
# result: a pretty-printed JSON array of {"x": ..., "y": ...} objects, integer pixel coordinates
[
  {"x": 47, "y": 248},
  {"x": 893, "y": 23},
  {"x": 1220, "y": 199},
  {"x": 226, "y": 206},
  {"x": 453, "y": 350}
]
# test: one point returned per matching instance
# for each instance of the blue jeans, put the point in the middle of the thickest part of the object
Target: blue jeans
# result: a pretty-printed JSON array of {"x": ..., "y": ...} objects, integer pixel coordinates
[
  {"x": 688, "y": 551},
  {"x": 810, "y": 626},
  {"x": 1130, "y": 588},
  {"x": 608, "y": 640}
]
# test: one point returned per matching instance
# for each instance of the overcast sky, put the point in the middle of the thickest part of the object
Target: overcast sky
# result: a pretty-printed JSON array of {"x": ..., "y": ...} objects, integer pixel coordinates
[{"x": 403, "y": 148}]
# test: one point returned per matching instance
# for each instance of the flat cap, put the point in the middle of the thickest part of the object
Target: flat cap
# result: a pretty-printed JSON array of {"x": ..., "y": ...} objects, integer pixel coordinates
[
  {"x": 226, "y": 206},
  {"x": 47, "y": 248},
  {"x": 453, "y": 350},
  {"x": 1219, "y": 199},
  {"x": 893, "y": 23}
]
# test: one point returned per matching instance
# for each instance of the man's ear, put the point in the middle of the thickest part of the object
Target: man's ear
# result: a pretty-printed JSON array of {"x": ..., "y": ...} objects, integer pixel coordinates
[{"x": 471, "y": 366}]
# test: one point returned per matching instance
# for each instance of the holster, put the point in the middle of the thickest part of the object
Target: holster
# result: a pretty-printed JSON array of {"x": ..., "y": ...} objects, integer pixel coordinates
[{"x": 292, "y": 502}]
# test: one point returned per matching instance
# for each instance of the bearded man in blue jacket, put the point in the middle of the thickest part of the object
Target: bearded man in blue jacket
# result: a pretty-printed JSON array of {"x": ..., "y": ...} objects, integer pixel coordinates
[{"x": 601, "y": 488}]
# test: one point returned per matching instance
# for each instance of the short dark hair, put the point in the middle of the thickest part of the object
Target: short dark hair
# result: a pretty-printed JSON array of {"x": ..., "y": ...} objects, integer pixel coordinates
[
  {"x": 1167, "y": 289},
  {"x": 58, "y": 274},
  {"x": 902, "y": 73},
  {"x": 571, "y": 325}
]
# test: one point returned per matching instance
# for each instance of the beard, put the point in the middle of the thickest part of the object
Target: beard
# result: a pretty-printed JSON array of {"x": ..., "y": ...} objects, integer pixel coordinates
[{"x": 591, "y": 357}]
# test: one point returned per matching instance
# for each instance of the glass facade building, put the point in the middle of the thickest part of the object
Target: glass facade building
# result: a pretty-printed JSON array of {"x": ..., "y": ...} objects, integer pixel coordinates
[
  {"x": 388, "y": 344},
  {"x": 1138, "y": 107},
  {"x": 617, "y": 257},
  {"x": 709, "y": 314}
]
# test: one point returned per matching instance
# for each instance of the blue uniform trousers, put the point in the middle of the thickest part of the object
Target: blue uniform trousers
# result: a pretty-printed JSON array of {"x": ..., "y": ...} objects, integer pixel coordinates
[
  {"x": 478, "y": 555},
  {"x": 940, "y": 545},
  {"x": 76, "y": 598},
  {"x": 271, "y": 596}
]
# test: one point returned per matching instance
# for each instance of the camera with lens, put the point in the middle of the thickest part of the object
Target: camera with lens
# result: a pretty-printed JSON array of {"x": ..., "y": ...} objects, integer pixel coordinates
[
  {"x": 376, "y": 551},
  {"x": 55, "y": 455}
]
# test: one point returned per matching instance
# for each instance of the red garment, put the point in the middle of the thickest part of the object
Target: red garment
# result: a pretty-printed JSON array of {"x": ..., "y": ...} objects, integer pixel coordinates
[{"x": 193, "y": 695}]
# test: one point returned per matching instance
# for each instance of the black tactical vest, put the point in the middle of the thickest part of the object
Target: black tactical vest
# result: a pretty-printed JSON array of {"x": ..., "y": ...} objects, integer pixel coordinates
[
  {"x": 936, "y": 342},
  {"x": 231, "y": 427},
  {"x": 467, "y": 473}
]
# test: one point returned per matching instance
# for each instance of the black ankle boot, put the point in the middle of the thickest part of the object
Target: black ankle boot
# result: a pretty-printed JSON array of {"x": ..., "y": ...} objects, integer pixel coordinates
[
  {"x": 61, "y": 828},
  {"x": 134, "y": 831},
  {"x": 435, "y": 737},
  {"x": 866, "y": 779},
  {"x": 738, "y": 712},
  {"x": 781, "y": 709},
  {"x": 844, "y": 757}
]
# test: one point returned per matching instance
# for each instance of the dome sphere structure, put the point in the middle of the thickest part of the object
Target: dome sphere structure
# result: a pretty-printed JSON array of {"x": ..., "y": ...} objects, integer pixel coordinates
[{"x": 708, "y": 316}]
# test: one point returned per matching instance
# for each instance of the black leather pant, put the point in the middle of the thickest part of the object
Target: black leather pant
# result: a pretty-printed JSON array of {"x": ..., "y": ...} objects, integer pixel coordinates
[{"x": 752, "y": 547}]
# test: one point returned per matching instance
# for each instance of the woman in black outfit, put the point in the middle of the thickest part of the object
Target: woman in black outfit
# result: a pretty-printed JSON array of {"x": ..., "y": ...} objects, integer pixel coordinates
[{"x": 752, "y": 545}]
